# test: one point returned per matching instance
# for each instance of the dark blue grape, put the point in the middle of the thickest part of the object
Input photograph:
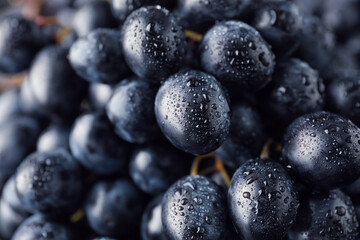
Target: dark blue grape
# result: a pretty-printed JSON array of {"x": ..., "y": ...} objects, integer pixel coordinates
[
  {"x": 98, "y": 57},
  {"x": 98, "y": 95},
  {"x": 193, "y": 112},
  {"x": 52, "y": 7},
  {"x": 322, "y": 149},
  {"x": 9, "y": 104},
  {"x": 92, "y": 15},
  {"x": 28, "y": 102},
  {"x": 262, "y": 200},
  {"x": 52, "y": 86},
  {"x": 131, "y": 110},
  {"x": 199, "y": 15},
  {"x": 343, "y": 95},
  {"x": 53, "y": 137},
  {"x": 10, "y": 219},
  {"x": 19, "y": 42},
  {"x": 122, "y": 8},
  {"x": 151, "y": 224},
  {"x": 12, "y": 212},
  {"x": 95, "y": 145},
  {"x": 316, "y": 43},
  {"x": 41, "y": 227},
  {"x": 65, "y": 17},
  {"x": 18, "y": 138},
  {"x": 353, "y": 191},
  {"x": 153, "y": 43},
  {"x": 194, "y": 207},
  {"x": 341, "y": 16},
  {"x": 49, "y": 182},
  {"x": 237, "y": 55},
  {"x": 10, "y": 196},
  {"x": 114, "y": 208},
  {"x": 246, "y": 138},
  {"x": 309, "y": 7},
  {"x": 296, "y": 89},
  {"x": 80, "y": 3},
  {"x": 353, "y": 48},
  {"x": 104, "y": 238},
  {"x": 280, "y": 23},
  {"x": 155, "y": 166},
  {"x": 344, "y": 58},
  {"x": 326, "y": 215}
]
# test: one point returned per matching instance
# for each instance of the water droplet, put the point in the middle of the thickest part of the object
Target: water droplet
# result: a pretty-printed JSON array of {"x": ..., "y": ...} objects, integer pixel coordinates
[
  {"x": 246, "y": 195},
  {"x": 263, "y": 59},
  {"x": 150, "y": 28},
  {"x": 341, "y": 211}
]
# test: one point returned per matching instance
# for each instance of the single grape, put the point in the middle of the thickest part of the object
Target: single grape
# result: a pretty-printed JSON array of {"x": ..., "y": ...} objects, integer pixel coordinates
[
  {"x": 325, "y": 215},
  {"x": 316, "y": 43},
  {"x": 237, "y": 55},
  {"x": 53, "y": 137},
  {"x": 343, "y": 95},
  {"x": 95, "y": 145},
  {"x": 20, "y": 39},
  {"x": 280, "y": 23},
  {"x": 194, "y": 207},
  {"x": 193, "y": 112},
  {"x": 93, "y": 15},
  {"x": 42, "y": 227},
  {"x": 262, "y": 200},
  {"x": 153, "y": 43},
  {"x": 98, "y": 95},
  {"x": 18, "y": 138},
  {"x": 322, "y": 150},
  {"x": 151, "y": 224},
  {"x": 98, "y": 57},
  {"x": 155, "y": 166},
  {"x": 246, "y": 139},
  {"x": 10, "y": 104},
  {"x": 296, "y": 89},
  {"x": 114, "y": 208},
  {"x": 52, "y": 85},
  {"x": 131, "y": 110},
  {"x": 49, "y": 182},
  {"x": 122, "y": 8},
  {"x": 199, "y": 15}
]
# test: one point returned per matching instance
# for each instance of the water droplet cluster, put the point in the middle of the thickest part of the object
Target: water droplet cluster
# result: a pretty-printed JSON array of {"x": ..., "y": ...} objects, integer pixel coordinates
[
  {"x": 151, "y": 36},
  {"x": 193, "y": 112},
  {"x": 323, "y": 150},
  {"x": 262, "y": 200},
  {"x": 48, "y": 182},
  {"x": 236, "y": 54},
  {"x": 343, "y": 95},
  {"x": 193, "y": 208},
  {"x": 296, "y": 89},
  {"x": 326, "y": 215}
]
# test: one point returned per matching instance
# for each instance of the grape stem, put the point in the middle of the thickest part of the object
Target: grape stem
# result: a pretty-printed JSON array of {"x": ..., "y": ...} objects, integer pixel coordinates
[
  {"x": 62, "y": 34},
  {"x": 196, "y": 163},
  {"x": 77, "y": 216},
  {"x": 218, "y": 167},
  {"x": 45, "y": 21},
  {"x": 265, "y": 152},
  {"x": 7, "y": 82},
  {"x": 196, "y": 37}
]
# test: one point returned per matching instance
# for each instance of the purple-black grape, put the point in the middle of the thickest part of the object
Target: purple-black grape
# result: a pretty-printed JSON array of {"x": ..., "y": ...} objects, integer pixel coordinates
[
  {"x": 153, "y": 43},
  {"x": 193, "y": 112}
]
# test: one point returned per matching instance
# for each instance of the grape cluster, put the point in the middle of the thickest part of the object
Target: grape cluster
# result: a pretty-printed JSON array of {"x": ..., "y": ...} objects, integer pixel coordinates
[{"x": 180, "y": 120}]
